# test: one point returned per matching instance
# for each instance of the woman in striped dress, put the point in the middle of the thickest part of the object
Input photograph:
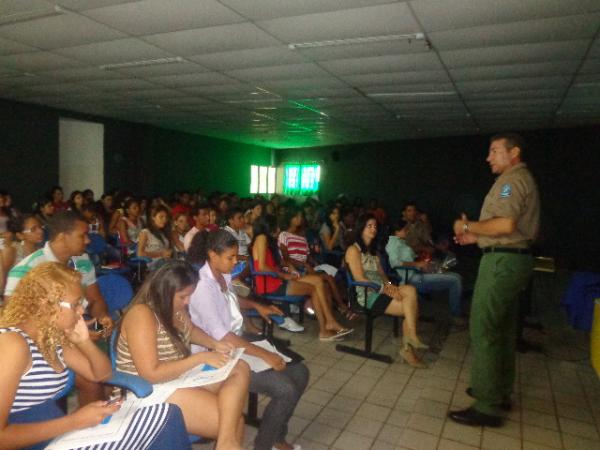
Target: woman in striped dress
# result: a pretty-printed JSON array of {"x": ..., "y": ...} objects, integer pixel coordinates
[{"x": 42, "y": 334}]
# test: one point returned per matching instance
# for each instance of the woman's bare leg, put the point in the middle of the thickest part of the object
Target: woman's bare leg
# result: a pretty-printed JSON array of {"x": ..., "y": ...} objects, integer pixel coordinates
[
  {"x": 324, "y": 298},
  {"x": 221, "y": 410},
  {"x": 304, "y": 288}
]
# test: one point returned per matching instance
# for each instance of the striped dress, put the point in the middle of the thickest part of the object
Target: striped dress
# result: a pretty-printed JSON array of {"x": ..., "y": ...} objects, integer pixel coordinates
[
  {"x": 41, "y": 383},
  {"x": 167, "y": 351}
]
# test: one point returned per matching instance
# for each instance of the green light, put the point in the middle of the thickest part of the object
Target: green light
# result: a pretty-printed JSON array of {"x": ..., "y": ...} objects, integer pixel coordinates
[{"x": 301, "y": 179}]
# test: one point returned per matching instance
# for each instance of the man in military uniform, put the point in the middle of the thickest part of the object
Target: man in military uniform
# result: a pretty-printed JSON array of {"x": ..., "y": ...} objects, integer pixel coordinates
[{"x": 507, "y": 225}]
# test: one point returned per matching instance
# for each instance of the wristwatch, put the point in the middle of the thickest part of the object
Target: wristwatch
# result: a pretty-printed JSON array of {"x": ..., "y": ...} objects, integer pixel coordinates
[{"x": 466, "y": 227}]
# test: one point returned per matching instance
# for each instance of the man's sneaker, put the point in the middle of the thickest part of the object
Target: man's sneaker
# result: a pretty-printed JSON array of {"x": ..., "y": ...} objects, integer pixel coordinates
[{"x": 291, "y": 325}]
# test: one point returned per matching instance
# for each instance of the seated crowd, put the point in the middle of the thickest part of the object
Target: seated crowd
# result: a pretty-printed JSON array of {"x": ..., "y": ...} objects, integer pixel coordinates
[{"x": 191, "y": 304}]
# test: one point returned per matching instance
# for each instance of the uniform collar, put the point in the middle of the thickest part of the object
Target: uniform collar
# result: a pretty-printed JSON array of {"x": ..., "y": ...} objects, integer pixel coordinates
[
  {"x": 207, "y": 274},
  {"x": 517, "y": 166}
]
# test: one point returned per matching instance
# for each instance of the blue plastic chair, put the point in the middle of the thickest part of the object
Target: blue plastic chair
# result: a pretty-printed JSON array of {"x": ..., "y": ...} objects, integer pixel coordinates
[
  {"x": 369, "y": 319},
  {"x": 117, "y": 293},
  {"x": 277, "y": 299}
]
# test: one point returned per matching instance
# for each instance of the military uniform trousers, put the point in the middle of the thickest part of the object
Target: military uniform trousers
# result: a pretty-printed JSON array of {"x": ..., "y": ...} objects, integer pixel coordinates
[{"x": 493, "y": 326}]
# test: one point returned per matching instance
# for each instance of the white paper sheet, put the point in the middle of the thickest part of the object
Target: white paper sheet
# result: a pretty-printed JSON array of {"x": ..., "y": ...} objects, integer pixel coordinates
[
  {"x": 115, "y": 429},
  {"x": 259, "y": 365}
]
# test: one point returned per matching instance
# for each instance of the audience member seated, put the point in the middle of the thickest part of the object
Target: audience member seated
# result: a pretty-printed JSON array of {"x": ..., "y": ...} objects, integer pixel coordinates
[
  {"x": 214, "y": 219},
  {"x": 214, "y": 308},
  {"x": 402, "y": 255},
  {"x": 42, "y": 336},
  {"x": 182, "y": 203},
  {"x": 419, "y": 232},
  {"x": 95, "y": 224},
  {"x": 236, "y": 225},
  {"x": 68, "y": 239},
  {"x": 43, "y": 210},
  {"x": 181, "y": 226},
  {"x": 76, "y": 201},
  {"x": 377, "y": 211},
  {"x": 105, "y": 209},
  {"x": 155, "y": 342},
  {"x": 200, "y": 215},
  {"x": 252, "y": 214},
  {"x": 4, "y": 215},
  {"x": 332, "y": 230},
  {"x": 265, "y": 257},
  {"x": 57, "y": 196},
  {"x": 295, "y": 256},
  {"x": 400, "y": 301},
  {"x": 154, "y": 240},
  {"x": 88, "y": 196},
  {"x": 27, "y": 236},
  {"x": 130, "y": 223}
]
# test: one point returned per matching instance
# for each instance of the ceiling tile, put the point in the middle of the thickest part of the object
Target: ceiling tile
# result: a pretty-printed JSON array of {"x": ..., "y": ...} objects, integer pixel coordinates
[
  {"x": 290, "y": 71},
  {"x": 193, "y": 79},
  {"x": 119, "y": 51},
  {"x": 8, "y": 47},
  {"x": 66, "y": 30},
  {"x": 270, "y": 9},
  {"x": 510, "y": 54},
  {"x": 253, "y": 57},
  {"x": 513, "y": 84},
  {"x": 159, "y": 16},
  {"x": 388, "y": 63},
  {"x": 524, "y": 32},
  {"x": 438, "y": 15},
  {"x": 363, "y": 50},
  {"x": 162, "y": 69},
  {"x": 515, "y": 70},
  {"x": 37, "y": 61},
  {"x": 379, "y": 20},
  {"x": 120, "y": 84},
  {"x": 80, "y": 74},
  {"x": 213, "y": 39},
  {"x": 372, "y": 79}
]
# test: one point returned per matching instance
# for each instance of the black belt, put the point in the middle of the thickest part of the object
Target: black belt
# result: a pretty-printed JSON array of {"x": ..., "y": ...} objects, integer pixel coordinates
[{"x": 518, "y": 251}]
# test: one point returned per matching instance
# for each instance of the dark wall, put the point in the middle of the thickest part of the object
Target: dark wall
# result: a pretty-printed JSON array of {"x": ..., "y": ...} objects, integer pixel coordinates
[
  {"x": 139, "y": 158},
  {"x": 28, "y": 151},
  {"x": 449, "y": 175}
]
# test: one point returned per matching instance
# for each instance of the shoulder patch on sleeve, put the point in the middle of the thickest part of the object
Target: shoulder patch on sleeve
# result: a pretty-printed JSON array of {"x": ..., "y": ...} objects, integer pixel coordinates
[{"x": 506, "y": 190}]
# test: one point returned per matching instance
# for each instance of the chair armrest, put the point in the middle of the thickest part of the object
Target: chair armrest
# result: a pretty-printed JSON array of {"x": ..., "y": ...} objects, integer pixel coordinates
[
  {"x": 140, "y": 387},
  {"x": 368, "y": 284},
  {"x": 408, "y": 268},
  {"x": 267, "y": 274}
]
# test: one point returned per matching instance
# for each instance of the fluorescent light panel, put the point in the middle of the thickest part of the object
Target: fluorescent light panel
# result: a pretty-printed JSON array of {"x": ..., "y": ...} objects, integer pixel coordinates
[
  {"x": 410, "y": 94},
  {"x": 359, "y": 40},
  {"x": 144, "y": 62},
  {"x": 26, "y": 16}
]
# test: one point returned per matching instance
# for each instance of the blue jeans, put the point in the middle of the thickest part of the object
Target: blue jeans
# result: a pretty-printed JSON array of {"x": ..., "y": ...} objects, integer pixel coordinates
[{"x": 431, "y": 282}]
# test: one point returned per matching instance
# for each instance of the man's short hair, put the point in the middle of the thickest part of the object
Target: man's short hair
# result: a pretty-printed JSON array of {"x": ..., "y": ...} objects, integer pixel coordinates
[
  {"x": 230, "y": 214},
  {"x": 512, "y": 140},
  {"x": 400, "y": 225},
  {"x": 63, "y": 222},
  {"x": 196, "y": 209},
  {"x": 410, "y": 203}
]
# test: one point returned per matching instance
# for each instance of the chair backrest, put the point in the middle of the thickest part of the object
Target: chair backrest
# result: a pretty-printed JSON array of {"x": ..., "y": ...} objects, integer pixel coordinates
[
  {"x": 97, "y": 244},
  {"x": 116, "y": 290}
]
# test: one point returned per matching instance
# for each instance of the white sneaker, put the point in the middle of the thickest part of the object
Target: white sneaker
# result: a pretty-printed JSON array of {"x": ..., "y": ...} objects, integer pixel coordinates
[{"x": 291, "y": 325}]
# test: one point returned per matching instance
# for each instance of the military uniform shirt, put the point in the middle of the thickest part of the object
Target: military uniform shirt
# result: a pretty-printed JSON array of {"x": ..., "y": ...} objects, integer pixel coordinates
[{"x": 514, "y": 195}]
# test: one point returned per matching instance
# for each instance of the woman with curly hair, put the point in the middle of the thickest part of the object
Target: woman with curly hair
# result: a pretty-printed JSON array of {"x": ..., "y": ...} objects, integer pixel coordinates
[{"x": 43, "y": 336}]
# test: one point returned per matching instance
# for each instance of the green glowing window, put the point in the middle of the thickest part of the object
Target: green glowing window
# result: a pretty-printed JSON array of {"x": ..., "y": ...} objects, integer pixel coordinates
[
  {"x": 301, "y": 179},
  {"x": 262, "y": 180}
]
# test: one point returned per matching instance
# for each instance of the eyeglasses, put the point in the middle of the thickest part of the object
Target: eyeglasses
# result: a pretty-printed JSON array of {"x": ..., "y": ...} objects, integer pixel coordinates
[
  {"x": 32, "y": 229},
  {"x": 68, "y": 305}
]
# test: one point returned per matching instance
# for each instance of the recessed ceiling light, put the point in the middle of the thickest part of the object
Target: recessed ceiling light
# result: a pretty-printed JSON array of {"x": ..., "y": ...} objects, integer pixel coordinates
[
  {"x": 358, "y": 40},
  {"x": 143, "y": 63},
  {"x": 410, "y": 94}
]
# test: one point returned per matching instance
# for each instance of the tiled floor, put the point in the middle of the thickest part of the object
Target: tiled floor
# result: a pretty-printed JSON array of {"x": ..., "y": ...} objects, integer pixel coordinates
[{"x": 358, "y": 404}]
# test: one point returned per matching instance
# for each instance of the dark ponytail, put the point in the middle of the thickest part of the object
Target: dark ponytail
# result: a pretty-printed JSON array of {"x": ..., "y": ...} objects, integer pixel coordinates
[{"x": 218, "y": 241}]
